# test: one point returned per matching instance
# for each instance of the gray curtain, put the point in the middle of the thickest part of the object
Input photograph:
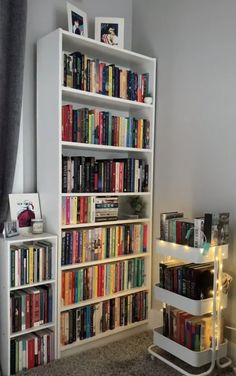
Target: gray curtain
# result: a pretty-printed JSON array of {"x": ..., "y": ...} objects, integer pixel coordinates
[{"x": 13, "y": 15}]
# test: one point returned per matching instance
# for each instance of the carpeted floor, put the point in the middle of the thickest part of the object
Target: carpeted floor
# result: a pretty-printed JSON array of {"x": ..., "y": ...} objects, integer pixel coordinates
[{"x": 127, "y": 358}]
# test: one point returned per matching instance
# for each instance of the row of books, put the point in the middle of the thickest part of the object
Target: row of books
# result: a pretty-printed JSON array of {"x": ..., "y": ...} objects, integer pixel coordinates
[
  {"x": 31, "y": 350},
  {"x": 101, "y": 280},
  {"x": 85, "y": 174},
  {"x": 193, "y": 332},
  {"x": 212, "y": 228},
  {"x": 31, "y": 263},
  {"x": 194, "y": 281},
  {"x": 103, "y": 242},
  {"x": 92, "y": 126},
  {"x": 84, "y": 209},
  {"x": 84, "y": 73},
  {"x": 30, "y": 308},
  {"x": 81, "y": 323}
]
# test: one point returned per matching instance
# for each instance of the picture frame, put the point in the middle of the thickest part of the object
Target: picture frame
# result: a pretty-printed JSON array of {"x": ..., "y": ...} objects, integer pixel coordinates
[
  {"x": 23, "y": 208},
  {"x": 110, "y": 30},
  {"x": 77, "y": 20},
  {"x": 11, "y": 229}
]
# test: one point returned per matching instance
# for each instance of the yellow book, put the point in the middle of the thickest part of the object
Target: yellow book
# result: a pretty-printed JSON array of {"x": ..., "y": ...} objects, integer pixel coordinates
[
  {"x": 74, "y": 210},
  {"x": 31, "y": 265},
  {"x": 110, "y": 81},
  {"x": 141, "y": 134}
]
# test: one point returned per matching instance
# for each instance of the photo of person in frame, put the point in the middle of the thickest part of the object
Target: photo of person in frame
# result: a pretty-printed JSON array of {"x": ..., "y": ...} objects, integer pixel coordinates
[
  {"x": 109, "y": 34},
  {"x": 78, "y": 24}
]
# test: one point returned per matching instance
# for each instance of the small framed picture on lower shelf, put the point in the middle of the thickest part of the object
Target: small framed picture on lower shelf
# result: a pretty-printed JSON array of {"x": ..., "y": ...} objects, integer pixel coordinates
[
  {"x": 23, "y": 208},
  {"x": 11, "y": 229}
]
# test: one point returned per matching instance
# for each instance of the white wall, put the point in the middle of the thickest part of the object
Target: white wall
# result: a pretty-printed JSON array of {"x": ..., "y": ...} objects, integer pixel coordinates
[
  {"x": 43, "y": 17},
  {"x": 195, "y": 44}
]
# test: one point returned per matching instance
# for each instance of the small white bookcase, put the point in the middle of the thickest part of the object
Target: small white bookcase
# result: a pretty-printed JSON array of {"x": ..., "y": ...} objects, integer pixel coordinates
[
  {"x": 212, "y": 305},
  {"x": 51, "y": 95},
  {"x": 6, "y": 289}
]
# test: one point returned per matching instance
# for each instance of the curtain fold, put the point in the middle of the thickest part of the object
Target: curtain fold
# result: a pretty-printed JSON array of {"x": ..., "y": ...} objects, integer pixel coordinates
[{"x": 13, "y": 15}]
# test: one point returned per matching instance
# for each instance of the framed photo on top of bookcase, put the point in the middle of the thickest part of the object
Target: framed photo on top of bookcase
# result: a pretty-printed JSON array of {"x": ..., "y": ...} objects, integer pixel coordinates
[
  {"x": 77, "y": 20},
  {"x": 110, "y": 30}
]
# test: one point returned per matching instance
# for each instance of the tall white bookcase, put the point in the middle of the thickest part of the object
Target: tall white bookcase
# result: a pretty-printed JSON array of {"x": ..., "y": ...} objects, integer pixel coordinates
[
  {"x": 5, "y": 291},
  {"x": 51, "y": 95},
  {"x": 213, "y": 306}
]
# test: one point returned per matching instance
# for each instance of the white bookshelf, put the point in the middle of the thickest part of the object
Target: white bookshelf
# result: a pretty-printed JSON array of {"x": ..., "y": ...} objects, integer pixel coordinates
[
  {"x": 213, "y": 306},
  {"x": 5, "y": 289},
  {"x": 51, "y": 95}
]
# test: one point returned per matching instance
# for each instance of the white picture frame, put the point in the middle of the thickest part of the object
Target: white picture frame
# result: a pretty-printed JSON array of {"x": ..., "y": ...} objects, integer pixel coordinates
[
  {"x": 11, "y": 229},
  {"x": 23, "y": 208},
  {"x": 110, "y": 30},
  {"x": 77, "y": 20}
]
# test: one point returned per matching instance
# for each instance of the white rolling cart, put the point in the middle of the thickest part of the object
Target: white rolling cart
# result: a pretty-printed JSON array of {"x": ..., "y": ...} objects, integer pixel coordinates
[{"x": 213, "y": 305}]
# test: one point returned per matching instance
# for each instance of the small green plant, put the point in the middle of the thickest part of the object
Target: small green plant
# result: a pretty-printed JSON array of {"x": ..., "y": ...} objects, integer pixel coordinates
[{"x": 138, "y": 205}]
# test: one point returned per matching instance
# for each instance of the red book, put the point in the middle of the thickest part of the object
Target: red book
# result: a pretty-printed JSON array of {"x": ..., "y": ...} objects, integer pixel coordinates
[
  {"x": 102, "y": 280},
  {"x": 100, "y": 127},
  {"x": 101, "y": 67},
  {"x": 69, "y": 110},
  {"x": 99, "y": 281},
  {"x": 178, "y": 232},
  {"x": 73, "y": 288},
  {"x": 30, "y": 344},
  {"x": 113, "y": 184},
  {"x": 119, "y": 241},
  {"x": 184, "y": 316},
  {"x": 63, "y": 123},
  {"x": 121, "y": 177},
  {"x": 63, "y": 288},
  {"x": 67, "y": 210},
  {"x": 81, "y": 204}
]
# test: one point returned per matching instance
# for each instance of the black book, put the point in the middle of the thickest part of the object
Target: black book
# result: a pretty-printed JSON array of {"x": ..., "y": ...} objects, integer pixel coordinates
[
  {"x": 13, "y": 357},
  {"x": 64, "y": 174},
  {"x": 74, "y": 125}
]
